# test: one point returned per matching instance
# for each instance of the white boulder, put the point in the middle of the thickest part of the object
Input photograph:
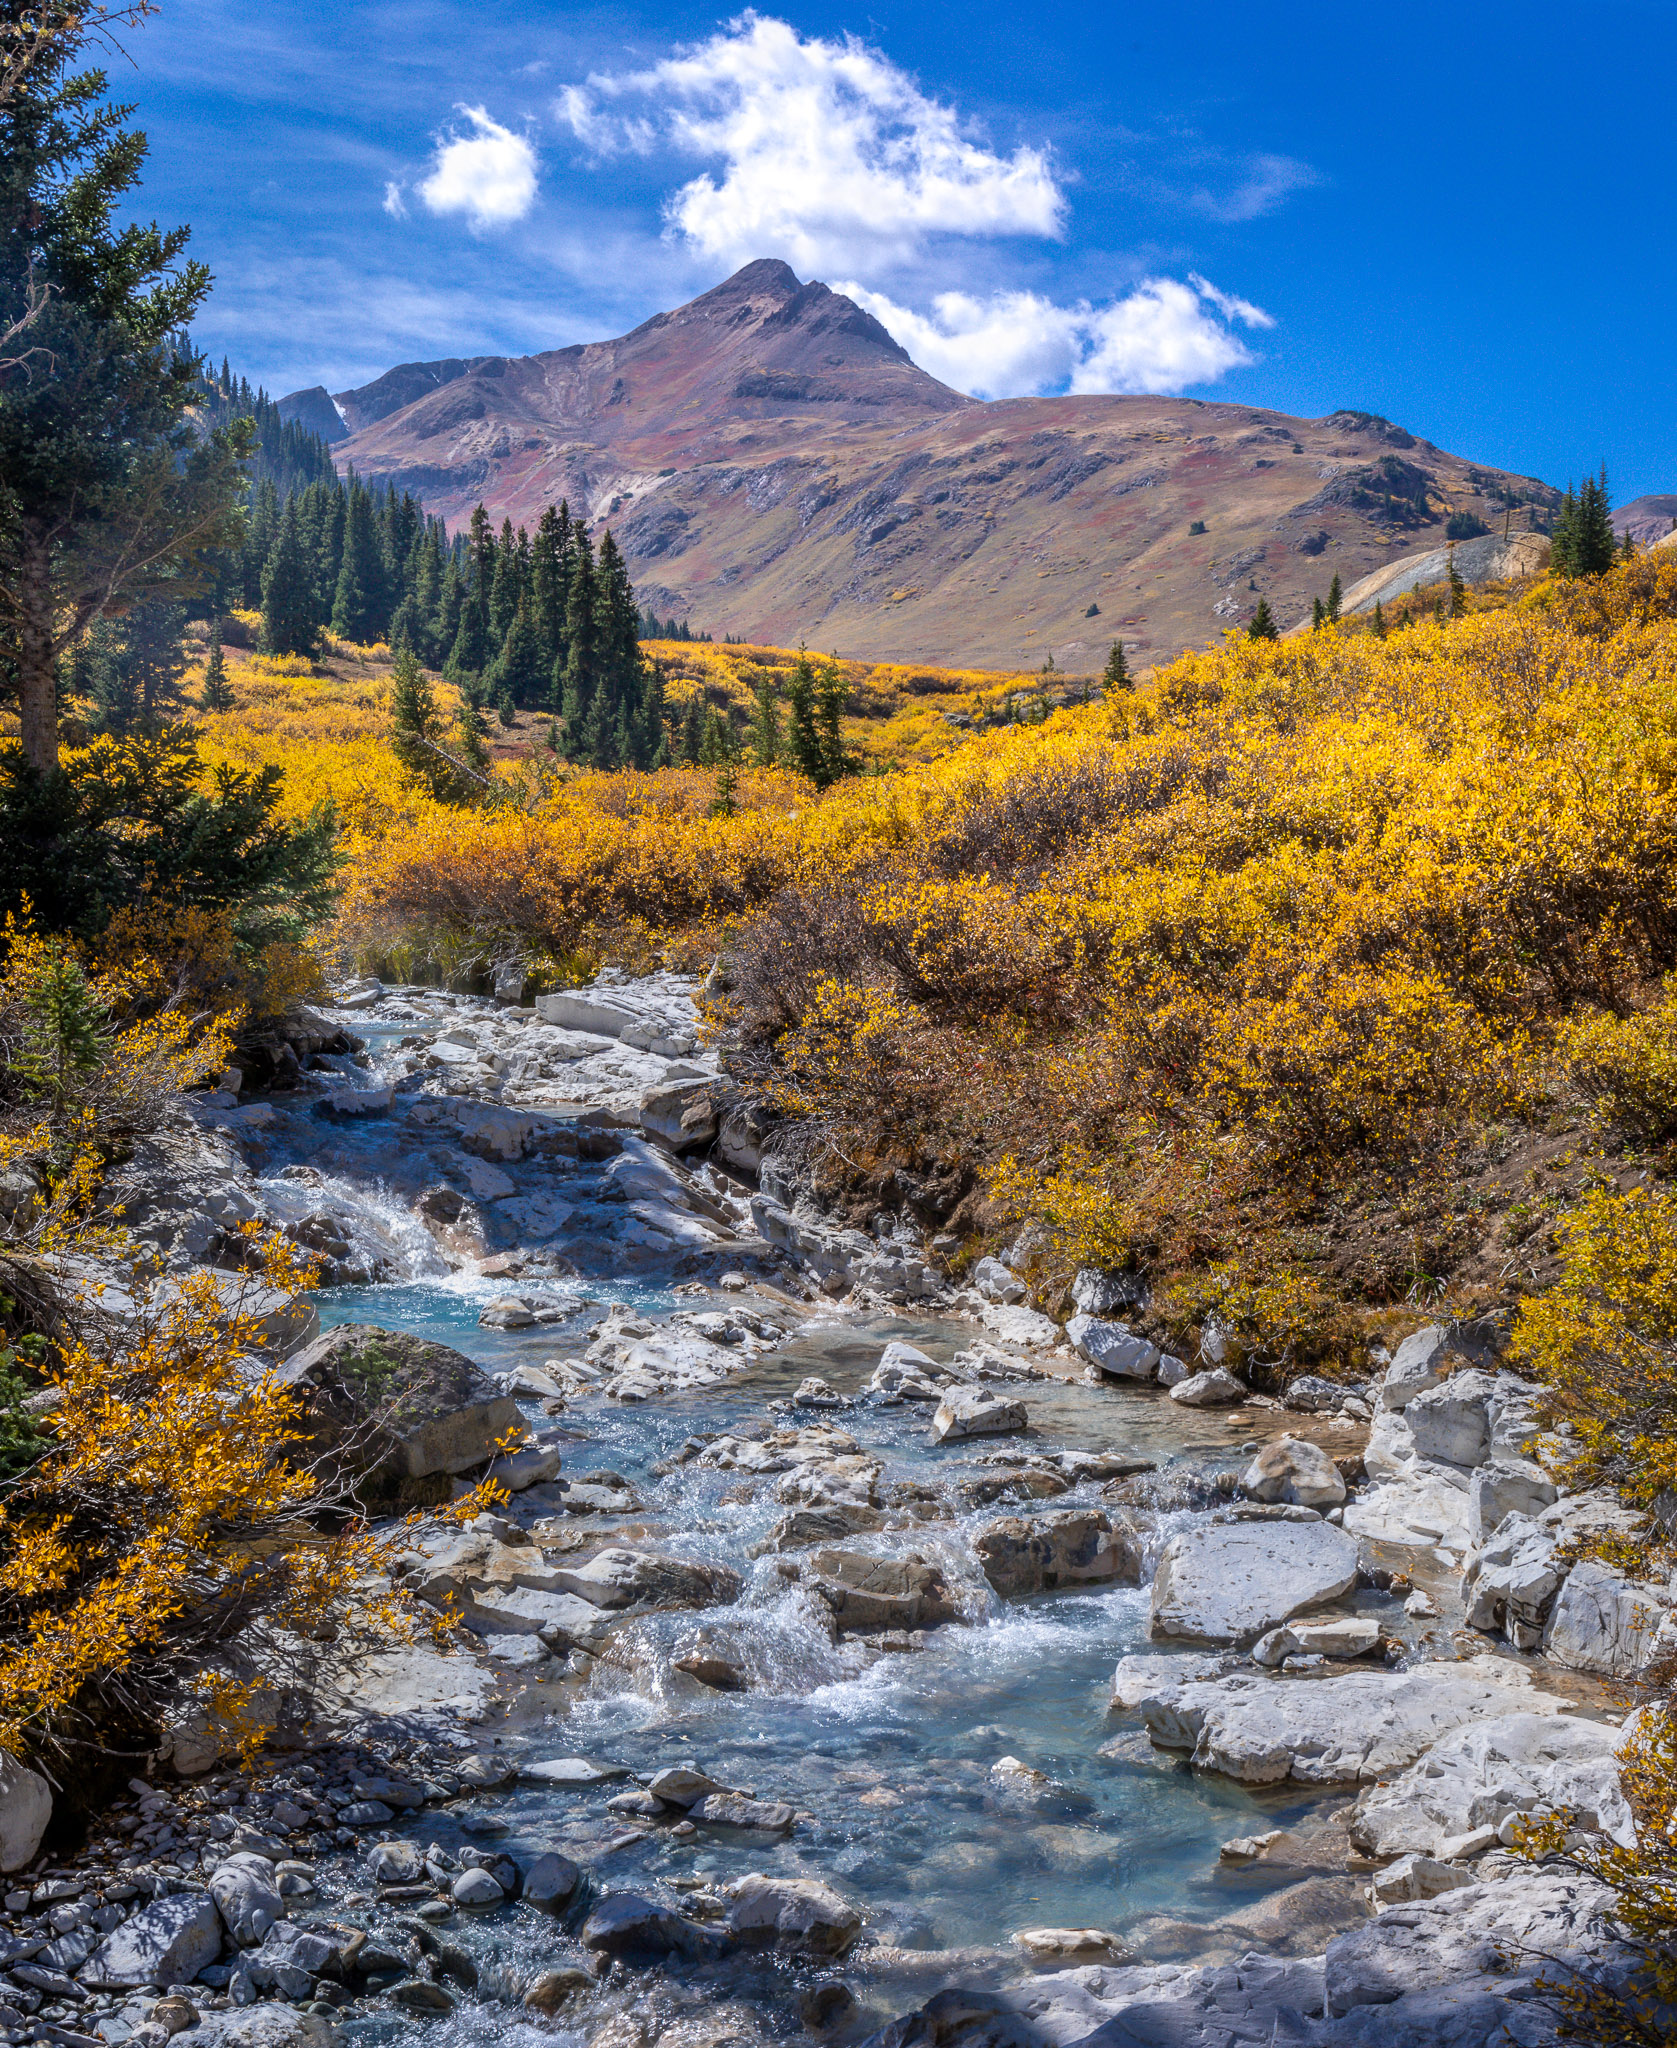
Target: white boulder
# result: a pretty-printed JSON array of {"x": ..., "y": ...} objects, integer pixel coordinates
[
  {"x": 1114, "y": 1348},
  {"x": 1296, "y": 1471},
  {"x": 1418, "y": 1366},
  {"x": 1215, "y": 1388},
  {"x": 1603, "y": 1621},
  {"x": 976, "y": 1411},
  {"x": 1230, "y": 1582},
  {"x": 1361, "y": 1727},
  {"x": 1475, "y": 1776}
]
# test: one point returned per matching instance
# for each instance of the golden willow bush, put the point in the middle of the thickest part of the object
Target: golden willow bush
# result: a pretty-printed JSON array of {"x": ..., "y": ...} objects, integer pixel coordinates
[
  {"x": 161, "y": 1518},
  {"x": 1286, "y": 928}
]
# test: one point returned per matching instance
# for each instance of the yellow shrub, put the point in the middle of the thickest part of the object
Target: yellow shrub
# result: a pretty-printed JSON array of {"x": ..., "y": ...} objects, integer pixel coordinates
[{"x": 1627, "y": 1066}]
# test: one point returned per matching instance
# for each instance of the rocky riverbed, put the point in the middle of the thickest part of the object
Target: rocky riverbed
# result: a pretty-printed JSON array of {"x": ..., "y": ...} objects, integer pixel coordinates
[{"x": 861, "y": 1653}]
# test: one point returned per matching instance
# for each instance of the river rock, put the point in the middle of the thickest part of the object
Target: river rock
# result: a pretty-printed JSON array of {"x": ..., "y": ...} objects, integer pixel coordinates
[
  {"x": 789, "y": 1912},
  {"x": 996, "y": 1283},
  {"x": 976, "y": 1411},
  {"x": 167, "y": 1942},
  {"x": 1294, "y": 1470},
  {"x": 1474, "y": 1777},
  {"x": 634, "y": 1929},
  {"x": 680, "y": 1113},
  {"x": 1061, "y": 1947},
  {"x": 682, "y": 1785},
  {"x": 1419, "y": 1365},
  {"x": 1461, "y": 1945},
  {"x": 476, "y": 1888},
  {"x": 1366, "y": 1725},
  {"x": 1451, "y": 1423},
  {"x": 866, "y": 1594},
  {"x": 1114, "y": 1348},
  {"x": 25, "y": 1809},
  {"x": 1094, "y": 1293},
  {"x": 733, "y": 1810},
  {"x": 391, "y": 1406},
  {"x": 1215, "y": 1388},
  {"x": 801, "y": 1527},
  {"x": 259, "y": 2026},
  {"x": 247, "y": 1897},
  {"x": 1603, "y": 1621},
  {"x": 1231, "y": 1582},
  {"x": 396, "y": 1863},
  {"x": 1022, "y": 1555},
  {"x": 644, "y": 1578},
  {"x": 1511, "y": 1584},
  {"x": 573, "y": 1773},
  {"x": 1417, "y": 1877},
  {"x": 1506, "y": 1486},
  {"x": 1353, "y": 1637}
]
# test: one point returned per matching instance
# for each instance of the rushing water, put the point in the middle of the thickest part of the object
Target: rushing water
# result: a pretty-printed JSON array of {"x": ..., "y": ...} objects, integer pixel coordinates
[{"x": 888, "y": 1754}]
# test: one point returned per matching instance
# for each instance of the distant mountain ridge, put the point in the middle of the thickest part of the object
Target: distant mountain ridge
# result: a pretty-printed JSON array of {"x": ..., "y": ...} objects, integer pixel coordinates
[{"x": 775, "y": 465}]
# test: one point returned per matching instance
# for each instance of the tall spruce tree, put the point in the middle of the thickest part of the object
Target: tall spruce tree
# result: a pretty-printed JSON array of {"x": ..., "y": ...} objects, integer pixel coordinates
[
  {"x": 1262, "y": 625},
  {"x": 359, "y": 602},
  {"x": 110, "y": 495},
  {"x": 765, "y": 722},
  {"x": 289, "y": 607},
  {"x": 580, "y": 675},
  {"x": 1336, "y": 596},
  {"x": 803, "y": 737}
]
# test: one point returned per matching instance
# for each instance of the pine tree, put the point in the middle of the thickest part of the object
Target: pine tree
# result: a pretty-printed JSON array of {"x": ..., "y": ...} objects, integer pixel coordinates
[
  {"x": 1458, "y": 589},
  {"x": 471, "y": 734},
  {"x": 692, "y": 728},
  {"x": 519, "y": 674},
  {"x": 503, "y": 587},
  {"x": 723, "y": 804},
  {"x": 417, "y": 727},
  {"x": 358, "y": 609},
  {"x": 1379, "y": 620},
  {"x": 469, "y": 656},
  {"x": 217, "y": 693},
  {"x": 288, "y": 602},
  {"x": 803, "y": 741},
  {"x": 1262, "y": 626},
  {"x": 765, "y": 724},
  {"x": 1318, "y": 614},
  {"x": 652, "y": 746},
  {"x": 1336, "y": 596},
  {"x": 111, "y": 496},
  {"x": 580, "y": 675},
  {"x": 504, "y": 710},
  {"x": 1116, "y": 675},
  {"x": 831, "y": 695},
  {"x": 550, "y": 568}
]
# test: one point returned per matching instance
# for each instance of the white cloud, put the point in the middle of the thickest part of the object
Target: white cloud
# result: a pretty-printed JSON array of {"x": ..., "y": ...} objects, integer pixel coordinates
[
  {"x": 1268, "y": 181},
  {"x": 830, "y": 156},
  {"x": 1164, "y": 336},
  {"x": 394, "y": 204},
  {"x": 489, "y": 175}
]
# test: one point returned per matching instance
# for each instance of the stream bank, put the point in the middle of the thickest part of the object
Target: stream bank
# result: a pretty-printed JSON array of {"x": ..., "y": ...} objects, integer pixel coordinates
[{"x": 862, "y": 1551}]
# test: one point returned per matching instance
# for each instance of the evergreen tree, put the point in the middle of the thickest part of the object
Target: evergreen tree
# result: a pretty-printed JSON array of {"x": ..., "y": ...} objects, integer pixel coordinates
[
  {"x": 803, "y": 740},
  {"x": 1336, "y": 596},
  {"x": 110, "y": 494},
  {"x": 581, "y": 640},
  {"x": 469, "y": 656},
  {"x": 724, "y": 804},
  {"x": 154, "y": 659},
  {"x": 260, "y": 528},
  {"x": 652, "y": 747},
  {"x": 1458, "y": 589},
  {"x": 1262, "y": 626},
  {"x": 288, "y": 601},
  {"x": 1582, "y": 542},
  {"x": 1116, "y": 675},
  {"x": 471, "y": 735},
  {"x": 692, "y": 728},
  {"x": 217, "y": 694},
  {"x": 1318, "y": 614},
  {"x": 519, "y": 674},
  {"x": 832, "y": 693},
  {"x": 503, "y": 587},
  {"x": 765, "y": 724},
  {"x": 504, "y": 710},
  {"x": 1379, "y": 621},
  {"x": 358, "y": 602},
  {"x": 445, "y": 621}
]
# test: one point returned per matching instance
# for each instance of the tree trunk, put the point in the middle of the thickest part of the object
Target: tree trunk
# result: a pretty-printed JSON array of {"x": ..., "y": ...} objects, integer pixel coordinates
[{"x": 37, "y": 677}]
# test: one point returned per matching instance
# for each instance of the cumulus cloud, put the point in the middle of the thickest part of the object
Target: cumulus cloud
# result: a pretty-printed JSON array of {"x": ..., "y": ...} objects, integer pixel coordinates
[
  {"x": 828, "y": 154},
  {"x": 1163, "y": 336},
  {"x": 488, "y": 175}
]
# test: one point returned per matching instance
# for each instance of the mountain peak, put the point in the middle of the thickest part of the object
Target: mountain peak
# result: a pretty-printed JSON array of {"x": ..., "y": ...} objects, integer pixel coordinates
[{"x": 753, "y": 280}]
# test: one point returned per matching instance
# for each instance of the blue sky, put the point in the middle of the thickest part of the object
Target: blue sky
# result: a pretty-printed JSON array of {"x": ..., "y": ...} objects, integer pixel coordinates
[{"x": 1456, "y": 216}]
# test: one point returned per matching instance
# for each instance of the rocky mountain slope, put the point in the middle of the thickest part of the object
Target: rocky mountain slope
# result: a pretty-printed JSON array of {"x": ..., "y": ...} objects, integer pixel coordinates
[{"x": 775, "y": 466}]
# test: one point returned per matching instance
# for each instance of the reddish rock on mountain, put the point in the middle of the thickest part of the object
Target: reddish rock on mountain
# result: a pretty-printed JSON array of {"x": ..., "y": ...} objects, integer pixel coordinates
[{"x": 775, "y": 466}]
